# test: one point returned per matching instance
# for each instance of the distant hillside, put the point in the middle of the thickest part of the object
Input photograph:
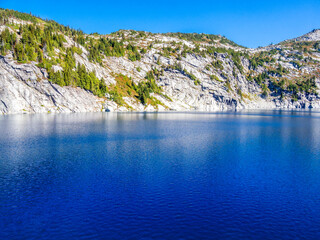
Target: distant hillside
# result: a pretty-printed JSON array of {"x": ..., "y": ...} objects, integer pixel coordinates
[
  {"x": 48, "y": 67},
  {"x": 313, "y": 36}
]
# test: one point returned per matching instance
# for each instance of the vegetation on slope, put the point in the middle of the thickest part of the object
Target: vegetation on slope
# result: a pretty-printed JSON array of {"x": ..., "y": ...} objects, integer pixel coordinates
[
  {"x": 45, "y": 42},
  {"x": 31, "y": 42},
  {"x": 141, "y": 92}
]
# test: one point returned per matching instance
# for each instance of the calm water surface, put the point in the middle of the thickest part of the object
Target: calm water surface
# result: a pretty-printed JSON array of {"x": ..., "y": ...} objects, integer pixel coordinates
[{"x": 160, "y": 176}]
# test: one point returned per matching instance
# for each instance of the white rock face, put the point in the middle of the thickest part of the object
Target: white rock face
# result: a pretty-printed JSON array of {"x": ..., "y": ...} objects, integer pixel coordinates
[
  {"x": 311, "y": 36},
  {"x": 24, "y": 88}
]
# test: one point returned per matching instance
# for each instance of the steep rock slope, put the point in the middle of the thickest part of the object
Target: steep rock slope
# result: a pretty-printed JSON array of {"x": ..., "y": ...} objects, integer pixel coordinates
[
  {"x": 46, "y": 67},
  {"x": 25, "y": 89}
]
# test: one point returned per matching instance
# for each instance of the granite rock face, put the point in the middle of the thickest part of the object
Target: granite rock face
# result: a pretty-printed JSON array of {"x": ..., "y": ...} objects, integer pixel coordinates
[
  {"x": 312, "y": 36},
  {"x": 25, "y": 88}
]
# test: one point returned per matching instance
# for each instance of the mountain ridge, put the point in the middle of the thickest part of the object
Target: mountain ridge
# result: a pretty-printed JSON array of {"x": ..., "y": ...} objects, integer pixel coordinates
[
  {"x": 312, "y": 36},
  {"x": 48, "y": 67},
  {"x": 38, "y": 18}
]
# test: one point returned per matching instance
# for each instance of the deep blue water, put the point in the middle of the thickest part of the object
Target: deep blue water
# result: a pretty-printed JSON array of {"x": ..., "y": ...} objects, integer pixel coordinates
[{"x": 160, "y": 176}]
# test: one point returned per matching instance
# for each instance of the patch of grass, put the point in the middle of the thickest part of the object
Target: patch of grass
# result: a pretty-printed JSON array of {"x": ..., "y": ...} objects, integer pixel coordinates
[{"x": 214, "y": 77}]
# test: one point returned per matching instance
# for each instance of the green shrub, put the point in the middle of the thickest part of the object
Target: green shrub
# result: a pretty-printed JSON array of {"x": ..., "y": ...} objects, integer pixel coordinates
[
  {"x": 214, "y": 77},
  {"x": 217, "y": 64}
]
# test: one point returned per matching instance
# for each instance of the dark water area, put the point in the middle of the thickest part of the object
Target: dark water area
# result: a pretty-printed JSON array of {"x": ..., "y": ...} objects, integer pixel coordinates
[{"x": 248, "y": 175}]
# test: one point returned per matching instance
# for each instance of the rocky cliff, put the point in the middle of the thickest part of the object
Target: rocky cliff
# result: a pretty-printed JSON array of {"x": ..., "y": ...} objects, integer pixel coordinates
[{"x": 150, "y": 72}]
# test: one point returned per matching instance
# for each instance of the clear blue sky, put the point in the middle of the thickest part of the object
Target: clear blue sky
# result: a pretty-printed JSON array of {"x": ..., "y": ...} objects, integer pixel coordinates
[{"x": 249, "y": 23}]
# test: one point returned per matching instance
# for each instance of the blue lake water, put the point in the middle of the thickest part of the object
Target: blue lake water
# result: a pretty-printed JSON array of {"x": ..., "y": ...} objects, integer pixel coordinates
[{"x": 253, "y": 175}]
